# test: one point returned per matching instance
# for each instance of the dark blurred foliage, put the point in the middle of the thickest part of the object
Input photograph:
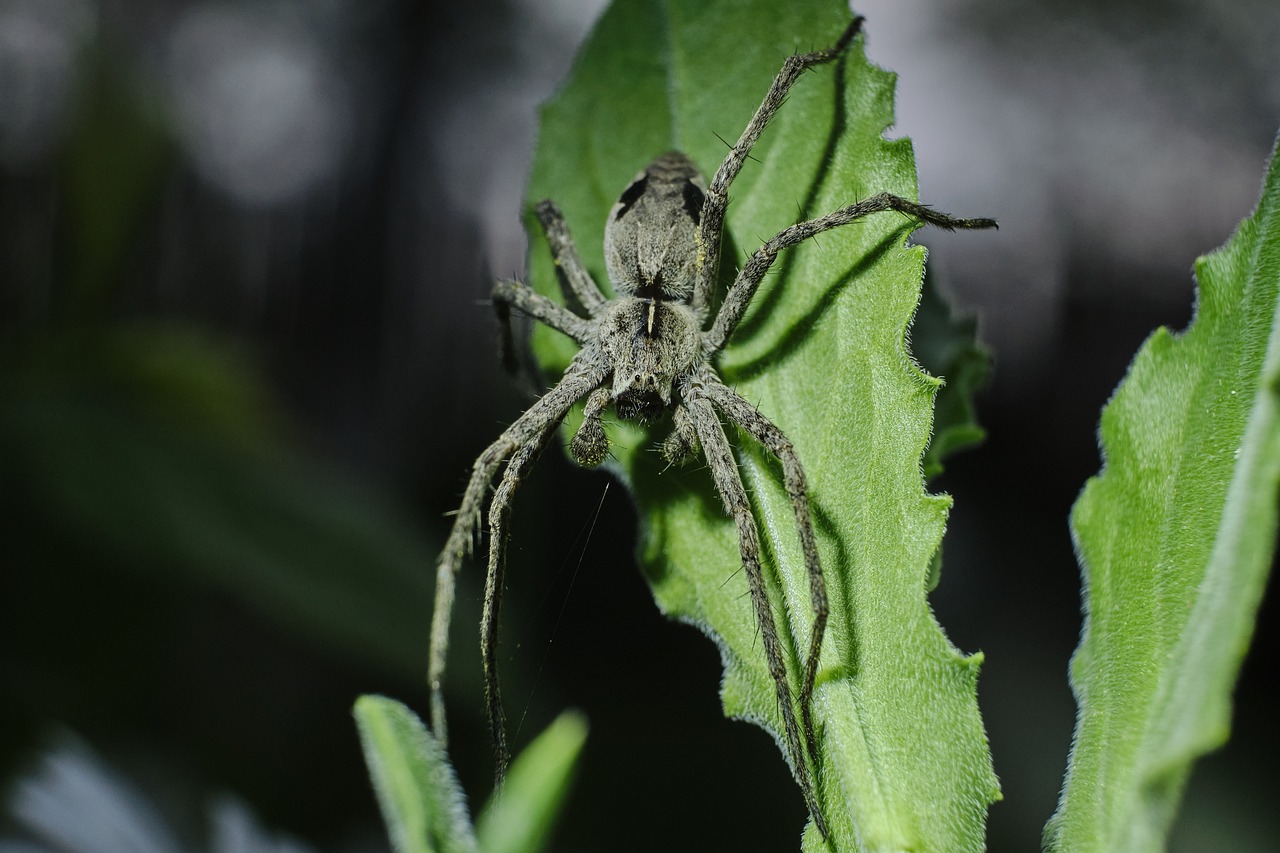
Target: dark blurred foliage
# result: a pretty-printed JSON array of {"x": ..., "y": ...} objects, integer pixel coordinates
[{"x": 246, "y": 362}]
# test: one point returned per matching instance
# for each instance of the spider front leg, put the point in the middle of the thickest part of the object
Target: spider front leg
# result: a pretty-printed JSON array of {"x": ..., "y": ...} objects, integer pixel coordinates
[
  {"x": 749, "y": 277},
  {"x": 763, "y": 430},
  {"x": 724, "y": 472},
  {"x": 711, "y": 225},
  {"x": 531, "y": 429}
]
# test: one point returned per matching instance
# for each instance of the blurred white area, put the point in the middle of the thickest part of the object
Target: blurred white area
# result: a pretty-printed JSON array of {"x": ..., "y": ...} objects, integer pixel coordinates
[
  {"x": 1078, "y": 144},
  {"x": 73, "y": 802},
  {"x": 487, "y": 121},
  {"x": 261, "y": 109},
  {"x": 39, "y": 43},
  {"x": 235, "y": 829}
]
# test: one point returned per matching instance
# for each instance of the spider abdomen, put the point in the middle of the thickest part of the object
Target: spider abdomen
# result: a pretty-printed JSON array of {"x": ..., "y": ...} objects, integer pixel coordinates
[
  {"x": 650, "y": 237},
  {"x": 650, "y": 343}
]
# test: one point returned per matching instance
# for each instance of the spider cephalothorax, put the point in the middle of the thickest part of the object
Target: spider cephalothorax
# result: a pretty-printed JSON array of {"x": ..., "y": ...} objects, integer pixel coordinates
[{"x": 646, "y": 353}]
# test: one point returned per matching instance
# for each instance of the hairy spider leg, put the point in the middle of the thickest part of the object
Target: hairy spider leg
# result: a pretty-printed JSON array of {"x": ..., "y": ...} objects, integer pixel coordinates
[
  {"x": 738, "y": 410},
  {"x": 499, "y": 514},
  {"x": 748, "y": 417},
  {"x": 737, "y": 299},
  {"x": 570, "y": 271},
  {"x": 711, "y": 225},
  {"x": 752, "y": 273},
  {"x": 728, "y": 482},
  {"x": 575, "y": 283},
  {"x": 508, "y": 294},
  {"x": 584, "y": 375}
]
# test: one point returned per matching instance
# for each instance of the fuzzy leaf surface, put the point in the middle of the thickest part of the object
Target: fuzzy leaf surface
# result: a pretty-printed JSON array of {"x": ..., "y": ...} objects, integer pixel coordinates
[
  {"x": 520, "y": 820},
  {"x": 903, "y": 758},
  {"x": 1175, "y": 539},
  {"x": 422, "y": 803}
]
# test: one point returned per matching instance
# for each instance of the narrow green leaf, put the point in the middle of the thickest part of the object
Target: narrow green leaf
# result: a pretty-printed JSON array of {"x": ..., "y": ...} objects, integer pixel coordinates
[
  {"x": 904, "y": 761},
  {"x": 421, "y": 802},
  {"x": 520, "y": 818},
  {"x": 423, "y": 805},
  {"x": 1175, "y": 538}
]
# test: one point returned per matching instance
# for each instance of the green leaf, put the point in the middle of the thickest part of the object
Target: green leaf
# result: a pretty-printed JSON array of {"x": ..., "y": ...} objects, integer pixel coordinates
[
  {"x": 904, "y": 761},
  {"x": 946, "y": 345},
  {"x": 422, "y": 803},
  {"x": 1175, "y": 539},
  {"x": 520, "y": 818}
]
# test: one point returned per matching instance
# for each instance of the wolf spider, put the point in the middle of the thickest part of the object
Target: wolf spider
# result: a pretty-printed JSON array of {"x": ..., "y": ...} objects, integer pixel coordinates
[{"x": 648, "y": 352}]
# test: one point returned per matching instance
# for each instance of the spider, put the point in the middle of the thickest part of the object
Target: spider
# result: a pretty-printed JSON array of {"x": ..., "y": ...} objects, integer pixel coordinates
[{"x": 649, "y": 353}]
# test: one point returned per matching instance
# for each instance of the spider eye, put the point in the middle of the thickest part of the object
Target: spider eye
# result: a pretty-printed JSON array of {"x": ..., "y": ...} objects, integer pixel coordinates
[
  {"x": 630, "y": 195},
  {"x": 693, "y": 198}
]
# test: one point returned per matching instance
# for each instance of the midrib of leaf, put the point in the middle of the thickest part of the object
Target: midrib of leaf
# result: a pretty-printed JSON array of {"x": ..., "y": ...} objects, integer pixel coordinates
[
  {"x": 1195, "y": 583},
  {"x": 1250, "y": 498},
  {"x": 904, "y": 763}
]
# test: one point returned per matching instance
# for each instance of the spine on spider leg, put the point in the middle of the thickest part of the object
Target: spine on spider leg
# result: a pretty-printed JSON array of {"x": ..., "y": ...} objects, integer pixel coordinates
[{"x": 506, "y": 335}]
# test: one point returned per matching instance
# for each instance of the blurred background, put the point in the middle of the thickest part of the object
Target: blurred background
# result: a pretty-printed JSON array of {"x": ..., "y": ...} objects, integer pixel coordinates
[{"x": 246, "y": 360}]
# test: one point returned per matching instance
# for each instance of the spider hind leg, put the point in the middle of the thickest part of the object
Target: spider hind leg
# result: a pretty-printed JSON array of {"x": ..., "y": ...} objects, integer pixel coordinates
[{"x": 728, "y": 481}]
